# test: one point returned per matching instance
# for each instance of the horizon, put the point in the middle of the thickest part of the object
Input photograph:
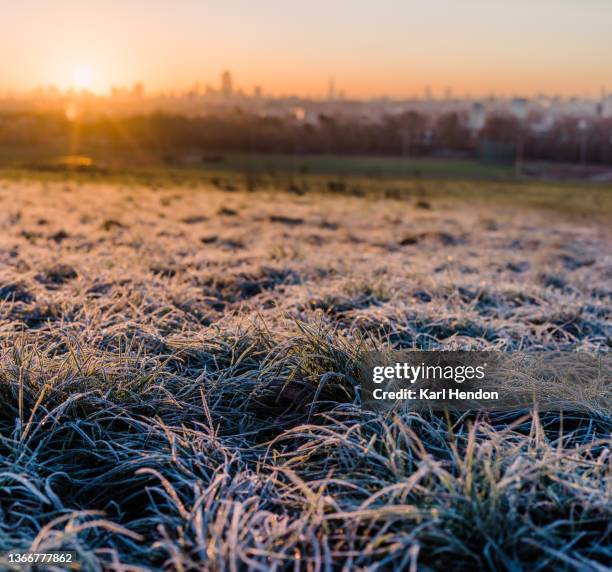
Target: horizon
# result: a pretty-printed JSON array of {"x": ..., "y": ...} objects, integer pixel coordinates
[
  {"x": 200, "y": 87},
  {"x": 294, "y": 50}
]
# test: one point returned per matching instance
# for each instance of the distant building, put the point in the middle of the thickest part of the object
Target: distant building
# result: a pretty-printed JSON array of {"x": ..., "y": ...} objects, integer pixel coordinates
[
  {"x": 519, "y": 107},
  {"x": 477, "y": 117},
  {"x": 606, "y": 106},
  {"x": 544, "y": 123},
  {"x": 226, "y": 84},
  {"x": 138, "y": 90},
  {"x": 331, "y": 89}
]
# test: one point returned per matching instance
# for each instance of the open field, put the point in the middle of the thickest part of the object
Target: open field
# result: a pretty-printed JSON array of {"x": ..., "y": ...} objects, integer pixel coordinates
[
  {"x": 579, "y": 199},
  {"x": 336, "y": 165},
  {"x": 177, "y": 372},
  {"x": 375, "y": 167}
]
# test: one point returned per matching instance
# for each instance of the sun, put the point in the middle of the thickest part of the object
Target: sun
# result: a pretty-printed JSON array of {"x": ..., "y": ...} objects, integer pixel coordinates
[{"x": 83, "y": 78}]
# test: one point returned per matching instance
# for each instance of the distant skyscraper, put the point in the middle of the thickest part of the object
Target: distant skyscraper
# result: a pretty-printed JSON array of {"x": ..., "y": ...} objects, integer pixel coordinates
[
  {"x": 226, "y": 83},
  {"x": 331, "y": 91},
  {"x": 257, "y": 92}
]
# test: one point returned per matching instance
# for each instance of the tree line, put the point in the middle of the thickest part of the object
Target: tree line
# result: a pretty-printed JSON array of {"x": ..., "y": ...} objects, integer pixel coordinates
[{"x": 410, "y": 134}]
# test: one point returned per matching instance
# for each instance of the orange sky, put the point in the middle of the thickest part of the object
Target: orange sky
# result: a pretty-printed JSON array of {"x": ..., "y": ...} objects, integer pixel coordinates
[{"x": 391, "y": 47}]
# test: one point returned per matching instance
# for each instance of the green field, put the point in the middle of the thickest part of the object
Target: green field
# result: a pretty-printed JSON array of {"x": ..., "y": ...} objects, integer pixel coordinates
[
  {"x": 375, "y": 167},
  {"x": 447, "y": 181}
]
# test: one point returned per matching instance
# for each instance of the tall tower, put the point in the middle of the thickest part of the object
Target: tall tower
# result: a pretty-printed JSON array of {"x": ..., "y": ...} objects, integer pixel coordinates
[
  {"x": 226, "y": 83},
  {"x": 331, "y": 90}
]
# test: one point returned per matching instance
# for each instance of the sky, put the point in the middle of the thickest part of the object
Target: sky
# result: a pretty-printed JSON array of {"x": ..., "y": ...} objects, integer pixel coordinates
[{"x": 370, "y": 47}]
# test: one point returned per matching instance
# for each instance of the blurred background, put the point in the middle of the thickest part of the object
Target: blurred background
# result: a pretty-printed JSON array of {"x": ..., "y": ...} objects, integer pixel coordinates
[{"x": 413, "y": 89}]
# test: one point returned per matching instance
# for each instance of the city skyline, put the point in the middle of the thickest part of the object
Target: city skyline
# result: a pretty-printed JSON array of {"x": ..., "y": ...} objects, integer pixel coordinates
[
  {"x": 389, "y": 49},
  {"x": 331, "y": 92},
  {"x": 226, "y": 87}
]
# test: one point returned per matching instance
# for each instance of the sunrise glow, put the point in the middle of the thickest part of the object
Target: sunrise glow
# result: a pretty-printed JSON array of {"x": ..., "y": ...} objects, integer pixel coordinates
[
  {"x": 83, "y": 78},
  {"x": 371, "y": 48}
]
